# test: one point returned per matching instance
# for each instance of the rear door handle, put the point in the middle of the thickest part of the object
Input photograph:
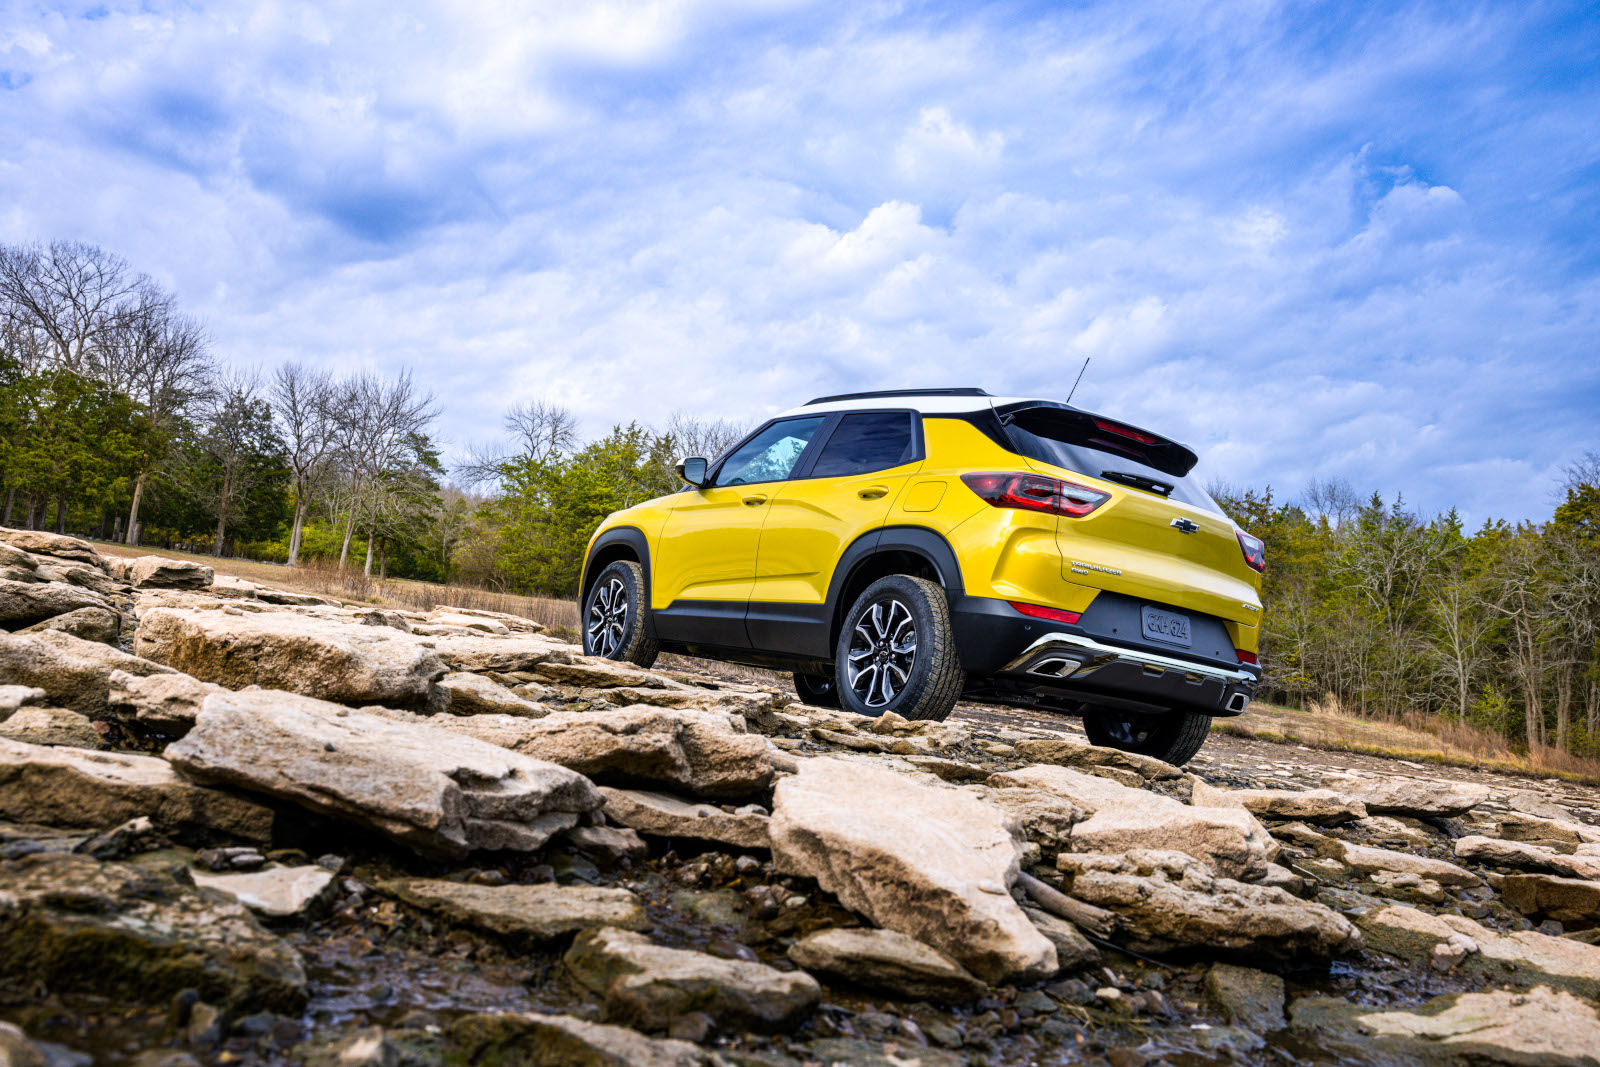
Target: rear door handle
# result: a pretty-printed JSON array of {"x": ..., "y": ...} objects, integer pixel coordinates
[
  {"x": 873, "y": 492},
  {"x": 755, "y": 500}
]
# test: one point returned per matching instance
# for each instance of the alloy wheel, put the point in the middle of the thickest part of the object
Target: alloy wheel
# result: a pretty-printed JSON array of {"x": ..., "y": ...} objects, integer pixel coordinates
[
  {"x": 883, "y": 647},
  {"x": 608, "y": 617}
]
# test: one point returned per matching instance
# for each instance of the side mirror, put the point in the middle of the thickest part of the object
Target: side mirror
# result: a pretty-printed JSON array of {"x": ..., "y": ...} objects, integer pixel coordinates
[{"x": 693, "y": 471}]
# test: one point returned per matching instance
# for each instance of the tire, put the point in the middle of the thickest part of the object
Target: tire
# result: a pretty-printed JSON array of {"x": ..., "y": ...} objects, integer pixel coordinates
[
  {"x": 818, "y": 690},
  {"x": 1173, "y": 737},
  {"x": 875, "y": 672},
  {"x": 612, "y": 617}
]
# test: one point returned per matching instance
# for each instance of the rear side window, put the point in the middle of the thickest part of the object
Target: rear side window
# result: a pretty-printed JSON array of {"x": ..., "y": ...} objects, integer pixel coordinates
[
  {"x": 1040, "y": 436},
  {"x": 871, "y": 441}
]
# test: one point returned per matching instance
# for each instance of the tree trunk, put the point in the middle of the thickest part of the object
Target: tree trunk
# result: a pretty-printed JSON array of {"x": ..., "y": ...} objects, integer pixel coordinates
[
  {"x": 372, "y": 530},
  {"x": 1564, "y": 710},
  {"x": 61, "y": 514},
  {"x": 383, "y": 559},
  {"x": 299, "y": 524},
  {"x": 222, "y": 511},
  {"x": 11, "y": 497},
  {"x": 133, "y": 509}
]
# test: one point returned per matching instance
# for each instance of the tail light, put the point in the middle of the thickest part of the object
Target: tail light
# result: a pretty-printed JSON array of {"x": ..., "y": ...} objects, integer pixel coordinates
[
  {"x": 1035, "y": 492},
  {"x": 1247, "y": 657},
  {"x": 1127, "y": 431},
  {"x": 1039, "y": 611},
  {"x": 1254, "y": 549}
]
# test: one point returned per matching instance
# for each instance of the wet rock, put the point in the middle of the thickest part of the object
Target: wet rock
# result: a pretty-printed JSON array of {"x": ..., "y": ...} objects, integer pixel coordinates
[
  {"x": 1322, "y": 807},
  {"x": 1519, "y": 958},
  {"x": 461, "y": 693},
  {"x": 698, "y": 752},
  {"x": 285, "y": 650},
  {"x": 92, "y": 624},
  {"x": 1247, "y": 997},
  {"x": 51, "y": 726},
  {"x": 73, "y": 673},
  {"x": 529, "y": 914},
  {"x": 1065, "y": 753},
  {"x": 1495, "y": 852},
  {"x": 530, "y": 1040},
  {"x": 888, "y": 962},
  {"x": 1228, "y": 840},
  {"x": 645, "y": 985},
  {"x": 159, "y": 572},
  {"x": 1572, "y": 901},
  {"x": 1073, "y": 950},
  {"x": 1543, "y": 1026},
  {"x": 74, "y": 924},
  {"x": 277, "y": 892},
  {"x": 437, "y": 792},
  {"x": 661, "y": 815},
  {"x": 158, "y": 703},
  {"x": 1421, "y": 797},
  {"x": 859, "y": 1053},
  {"x": 77, "y": 788},
  {"x": 927, "y": 860},
  {"x": 119, "y": 842},
  {"x": 42, "y": 543},
  {"x": 1168, "y": 900},
  {"x": 369, "y": 1047},
  {"x": 25, "y": 603}
]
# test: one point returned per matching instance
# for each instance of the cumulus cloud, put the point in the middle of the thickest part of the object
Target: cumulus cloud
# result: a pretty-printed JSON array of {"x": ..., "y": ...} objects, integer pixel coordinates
[{"x": 1309, "y": 245}]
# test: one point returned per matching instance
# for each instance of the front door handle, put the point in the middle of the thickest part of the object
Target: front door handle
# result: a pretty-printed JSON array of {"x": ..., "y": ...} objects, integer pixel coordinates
[
  {"x": 873, "y": 492},
  {"x": 755, "y": 500}
]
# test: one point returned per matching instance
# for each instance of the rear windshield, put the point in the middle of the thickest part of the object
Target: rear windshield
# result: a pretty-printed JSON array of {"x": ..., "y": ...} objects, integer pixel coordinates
[{"x": 1046, "y": 437}]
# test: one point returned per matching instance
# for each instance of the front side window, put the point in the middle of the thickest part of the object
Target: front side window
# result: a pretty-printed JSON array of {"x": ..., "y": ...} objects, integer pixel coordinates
[
  {"x": 871, "y": 441},
  {"x": 770, "y": 455}
]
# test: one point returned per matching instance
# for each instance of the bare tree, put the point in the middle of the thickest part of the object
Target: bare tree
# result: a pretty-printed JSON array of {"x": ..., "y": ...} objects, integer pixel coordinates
[
  {"x": 73, "y": 293},
  {"x": 382, "y": 426},
  {"x": 1332, "y": 499},
  {"x": 236, "y": 450},
  {"x": 709, "y": 438},
  {"x": 304, "y": 404},
  {"x": 537, "y": 432}
]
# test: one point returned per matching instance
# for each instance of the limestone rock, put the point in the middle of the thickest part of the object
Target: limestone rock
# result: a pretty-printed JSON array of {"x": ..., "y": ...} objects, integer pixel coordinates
[
  {"x": 447, "y": 619},
  {"x": 531, "y": 1040},
  {"x": 73, "y": 673},
  {"x": 1490, "y": 850},
  {"x": 159, "y": 703},
  {"x": 1517, "y": 826},
  {"x": 888, "y": 962},
  {"x": 1065, "y": 753},
  {"x": 285, "y": 650},
  {"x": 73, "y": 924},
  {"x": 461, "y": 693},
  {"x": 86, "y": 575},
  {"x": 440, "y": 793},
  {"x": 1370, "y": 861},
  {"x": 13, "y": 697},
  {"x": 1421, "y": 797},
  {"x": 1543, "y": 1026},
  {"x": 661, "y": 815},
  {"x": 91, "y": 624},
  {"x": 1249, "y": 998},
  {"x": 25, "y": 603},
  {"x": 1073, "y": 950},
  {"x": 51, "y": 726},
  {"x": 483, "y": 619},
  {"x": 596, "y": 673},
  {"x": 1168, "y": 900},
  {"x": 42, "y": 543},
  {"x": 276, "y": 892},
  {"x": 159, "y": 572},
  {"x": 528, "y": 914},
  {"x": 645, "y": 985},
  {"x": 1322, "y": 807},
  {"x": 1573, "y": 901},
  {"x": 17, "y": 1051},
  {"x": 1520, "y": 958},
  {"x": 71, "y": 787},
  {"x": 927, "y": 860},
  {"x": 502, "y": 655}
]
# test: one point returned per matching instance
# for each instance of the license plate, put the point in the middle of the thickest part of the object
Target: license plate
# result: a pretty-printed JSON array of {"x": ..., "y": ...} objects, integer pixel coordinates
[{"x": 1167, "y": 626}]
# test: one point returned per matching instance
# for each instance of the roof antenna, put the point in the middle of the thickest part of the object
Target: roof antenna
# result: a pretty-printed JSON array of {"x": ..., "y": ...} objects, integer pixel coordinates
[{"x": 1079, "y": 378}]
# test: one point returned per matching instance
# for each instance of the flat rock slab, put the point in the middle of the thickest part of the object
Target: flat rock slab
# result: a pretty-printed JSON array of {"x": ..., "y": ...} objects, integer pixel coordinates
[
  {"x": 42, "y": 543},
  {"x": 930, "y": 861},
  {"x": 25, "y": 603},
  {"x": 1368, "y": 860},
  {"x": 51, "y": 726},
  {"x": 159, "y": 572},
  {"x": 562, "y": 1041},
  {"x": 1521, "y": 958},
  {"x": 1423, "y": 798},
  {"x": 285, "y": 650},
  {"x": 1249, "y": 998},
  {"x": 661, "y": 815},
  {"x": 1477, "y": 848},
  {"x": 1168, "y": 900},
  {"x": 502, "y": 655},
  {"x": 530, "y": 914},
  {"x": 1543, "y": 1026},
  {"x": 1323, "y": 807},
  {"x": 158, "y": 703},
  {"x": 1573, "y": 901},
  {"x": 73, "y": 787},
  {"x": 463, "y": 693},
  {"x": 645, "y": 984},
  {"x": 277, "y": 892},
  {"x": 887, "y": 962},
  {"x": 438, "y": 792},
  {"x": 73, "y": 673},
  {"x": 92, "y": 624},
  {"x": 1064, "y": 753},
  {"x": 73, "y": 924}
]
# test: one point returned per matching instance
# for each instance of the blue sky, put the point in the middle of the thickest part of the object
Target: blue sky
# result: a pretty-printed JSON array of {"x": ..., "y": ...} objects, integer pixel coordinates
[{"x": 1310, "y": 239}]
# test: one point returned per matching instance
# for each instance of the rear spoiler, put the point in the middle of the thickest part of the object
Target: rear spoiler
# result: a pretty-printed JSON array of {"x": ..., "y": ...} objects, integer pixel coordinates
[{"x": 1049, "y": 419}]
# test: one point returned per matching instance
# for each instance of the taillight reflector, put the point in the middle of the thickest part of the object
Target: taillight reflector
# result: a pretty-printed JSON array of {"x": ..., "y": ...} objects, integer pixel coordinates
[
  {"x": 1254, "y": 549},
  {"x": 1246, "y": 657},
  {"x": 1039, "y": 611},
  {"x": 1035, "y": 492}
]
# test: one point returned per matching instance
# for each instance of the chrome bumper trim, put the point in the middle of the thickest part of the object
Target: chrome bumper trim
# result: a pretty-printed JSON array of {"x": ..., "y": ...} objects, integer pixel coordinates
[{"x": 1066, "y": 656}]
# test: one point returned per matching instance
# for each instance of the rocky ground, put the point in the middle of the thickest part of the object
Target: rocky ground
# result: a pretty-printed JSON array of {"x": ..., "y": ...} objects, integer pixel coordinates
[{"x": 240, "y": 825}]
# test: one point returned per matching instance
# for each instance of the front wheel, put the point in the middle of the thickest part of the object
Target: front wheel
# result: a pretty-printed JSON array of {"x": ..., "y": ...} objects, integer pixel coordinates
[
  {"x": 1173, "y": 737},
  {"x": 613, "y": 616},
  {"x": 897, "y": 651}
]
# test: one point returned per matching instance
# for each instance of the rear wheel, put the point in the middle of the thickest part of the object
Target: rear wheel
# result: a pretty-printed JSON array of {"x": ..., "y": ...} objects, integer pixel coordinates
[
  {"x": 1173, "y": 736},
  {"x": 818, "y": 690},
  {"x": 613, "y": 616},
  {"x": 897, "y": 651}
]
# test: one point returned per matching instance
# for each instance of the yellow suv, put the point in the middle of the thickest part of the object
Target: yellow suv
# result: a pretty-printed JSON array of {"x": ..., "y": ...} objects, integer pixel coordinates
[{"x": 899, "y": 550}]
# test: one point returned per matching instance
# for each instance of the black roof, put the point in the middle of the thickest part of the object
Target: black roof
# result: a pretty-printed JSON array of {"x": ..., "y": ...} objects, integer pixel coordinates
[{"x": 881, "y": 393}]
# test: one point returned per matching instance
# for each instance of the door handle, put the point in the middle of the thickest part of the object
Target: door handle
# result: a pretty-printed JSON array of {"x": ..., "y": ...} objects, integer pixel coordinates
[
  {"x": 755, "y": 500},
  {"x": 873, "y": 492}
]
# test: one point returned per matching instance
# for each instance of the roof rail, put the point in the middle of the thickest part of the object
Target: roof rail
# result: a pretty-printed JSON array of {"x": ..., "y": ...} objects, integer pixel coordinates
[{"x": 882, "y": 393}]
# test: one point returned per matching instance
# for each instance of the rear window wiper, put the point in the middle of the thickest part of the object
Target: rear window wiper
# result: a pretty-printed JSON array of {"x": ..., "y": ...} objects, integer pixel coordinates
[{"x": 1138, "y": 481}]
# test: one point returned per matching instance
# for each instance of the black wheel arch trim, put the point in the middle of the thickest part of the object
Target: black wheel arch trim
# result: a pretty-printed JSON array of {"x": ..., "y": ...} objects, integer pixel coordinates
[
  {"x": 918, "y": 540},
  {"x": 635, "y": 539}
]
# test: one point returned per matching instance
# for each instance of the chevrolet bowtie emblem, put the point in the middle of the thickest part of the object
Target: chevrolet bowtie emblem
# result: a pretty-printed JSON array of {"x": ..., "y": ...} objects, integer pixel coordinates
[{"x": 1184, "y": 525}]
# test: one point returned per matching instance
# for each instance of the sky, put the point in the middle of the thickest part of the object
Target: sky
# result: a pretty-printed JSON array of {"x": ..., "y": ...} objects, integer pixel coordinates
[{"x": 1311, "y": 240}]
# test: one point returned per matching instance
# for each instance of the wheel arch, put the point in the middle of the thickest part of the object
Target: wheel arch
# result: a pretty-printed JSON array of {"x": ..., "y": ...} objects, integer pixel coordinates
[
  {"x": 915, "y": 550},
  {"x": 619, "y": 542}
]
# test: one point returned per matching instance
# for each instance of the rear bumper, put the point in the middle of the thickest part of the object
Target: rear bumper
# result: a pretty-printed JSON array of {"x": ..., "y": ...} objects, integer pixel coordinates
[{"x": 1019, "y": 659}]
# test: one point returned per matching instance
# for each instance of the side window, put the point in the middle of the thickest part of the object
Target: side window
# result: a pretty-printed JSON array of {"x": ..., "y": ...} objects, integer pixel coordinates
[
  {"x": 866, "y": 442},
  {"x": 770, "y": 455}
]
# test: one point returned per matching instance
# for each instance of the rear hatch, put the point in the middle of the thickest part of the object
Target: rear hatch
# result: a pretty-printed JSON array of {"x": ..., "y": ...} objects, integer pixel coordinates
[{"x": 1160, "y": 537}]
